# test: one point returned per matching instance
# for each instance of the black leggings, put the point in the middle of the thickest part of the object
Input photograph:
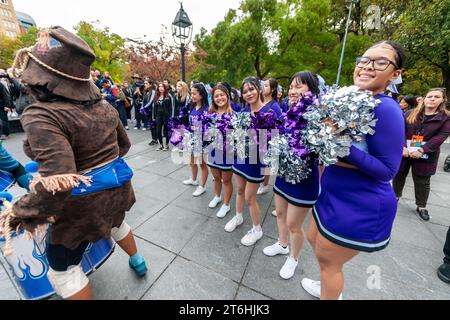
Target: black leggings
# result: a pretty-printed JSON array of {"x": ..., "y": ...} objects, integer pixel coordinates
[
  {"x": 422, "y": 186},
  {"x": 61, "y": 258},
  {"x": 161, "y": 129}
]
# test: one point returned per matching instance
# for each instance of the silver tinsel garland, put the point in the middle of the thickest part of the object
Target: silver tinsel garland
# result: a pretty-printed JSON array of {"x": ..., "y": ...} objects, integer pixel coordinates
[
  {"x": 343, "y": 115},
  {"x": 283, "y": 161}
]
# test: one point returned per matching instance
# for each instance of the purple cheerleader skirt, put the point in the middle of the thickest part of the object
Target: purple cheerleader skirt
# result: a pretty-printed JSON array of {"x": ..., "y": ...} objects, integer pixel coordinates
[
  {"x": 303, "y": 194},
  {"x": 253, "y": 173},
  {"x": 218, "y": 159},
  {"x": 354, "y": 210}
]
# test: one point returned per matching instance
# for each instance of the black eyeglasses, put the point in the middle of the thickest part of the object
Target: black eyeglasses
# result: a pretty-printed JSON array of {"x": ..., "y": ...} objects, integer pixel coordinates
[{"x": 380, "y": 64}]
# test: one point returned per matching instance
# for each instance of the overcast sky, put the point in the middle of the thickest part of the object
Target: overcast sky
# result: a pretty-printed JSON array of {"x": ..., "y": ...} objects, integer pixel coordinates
[{"x": 129, "y": 18}]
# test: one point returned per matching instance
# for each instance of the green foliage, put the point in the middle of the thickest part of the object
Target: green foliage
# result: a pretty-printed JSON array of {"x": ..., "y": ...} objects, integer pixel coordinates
[
  {"x": 108, "y": 47},
  {"x": 9, "y": 46},
  {"x": 425, "y": 33},
  {"x": 270, "y": 38}
]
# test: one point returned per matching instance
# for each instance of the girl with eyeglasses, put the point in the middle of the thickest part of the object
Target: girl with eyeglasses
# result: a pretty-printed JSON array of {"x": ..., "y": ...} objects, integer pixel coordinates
[{"x": 356, "y": 209}]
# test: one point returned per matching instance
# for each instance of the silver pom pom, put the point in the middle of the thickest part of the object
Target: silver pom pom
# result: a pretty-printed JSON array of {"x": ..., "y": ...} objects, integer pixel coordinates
[
  {"x": 344, "y": 115},
  {"x": 284, "y": 162}
]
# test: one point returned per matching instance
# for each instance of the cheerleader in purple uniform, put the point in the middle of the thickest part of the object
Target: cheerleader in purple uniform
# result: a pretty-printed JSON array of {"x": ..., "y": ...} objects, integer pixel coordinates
[
  {"x": 199, "y": 105},
  {"x": 220, "y": 159},
  {"x": 294, "y": 201},
  {"x": 270, "y": 94},
  {"x": 250, "y": 172},
  {"x": 357, "y": 206}
]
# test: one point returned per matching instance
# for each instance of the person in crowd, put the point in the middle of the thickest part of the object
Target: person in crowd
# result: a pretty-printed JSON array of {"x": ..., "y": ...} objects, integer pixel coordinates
[
  {"x": 108, "y": 93},
  {"x": 199, "y": 105},
  {"x": 250, "y": 172},
  {"x": 14, "y": 168},
  {"x": 282, "y": 102},
  {"x": 128, "y": 91},
  {"x": 356, "y": 208},
  {"x": 294, "y": 201},
  {"x": 183, "y": 102},
  {"x": 147, "y": 110},
  {"x": 106, "y": 76},
  {"x": 427, "y": 128},
  {"x": 270, "y": 99},
  {"x": 444, "y": 270},
  {"x": 407, "y": 102},
  {"x": 221, "y": 158},
  {"x": 99, "y": 79},
  {"x": 63, "y": 131},
  {"x": 137, "y": 103},
  {"x": 419, "y": 100},
  {"x": 162, "y": 113},
  {"x": 6, "y": 105},
  {"x": 235, "y": 97},
  {"x": 120, "y": 106}
]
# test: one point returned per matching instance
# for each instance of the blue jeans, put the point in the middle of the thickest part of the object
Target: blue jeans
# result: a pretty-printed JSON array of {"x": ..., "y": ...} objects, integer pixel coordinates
[{"x": 122, "y": 114}]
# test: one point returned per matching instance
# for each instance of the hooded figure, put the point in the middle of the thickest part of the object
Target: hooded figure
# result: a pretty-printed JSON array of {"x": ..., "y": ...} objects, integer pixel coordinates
[{"x": 60, "y": 125}]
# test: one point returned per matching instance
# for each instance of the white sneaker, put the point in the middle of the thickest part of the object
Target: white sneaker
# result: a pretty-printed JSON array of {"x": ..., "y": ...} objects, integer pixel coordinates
[
  {"x": 274, "y": 213},
  {"x": 252, "y": 237},
  {"x": 176, "y": 149},
  {"x": 313, "y": 288},
  {"x": 263, "y": 190},
  {"x": 288, "y": 270},
  {"x": 234, "y": 223},
  {"x": 200, "y": 190},
  {"x": 275, "y": 250},
  {"x": 190, "y": 182},
  {"x": 223, "y": 211},
  {"x": 215, "y": 202}
]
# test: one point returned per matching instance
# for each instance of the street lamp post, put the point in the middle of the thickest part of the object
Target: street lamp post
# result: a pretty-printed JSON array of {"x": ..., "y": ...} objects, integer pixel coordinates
[
  {"x": 182, "y": 34},
  {"x": 351, "y": 2}
]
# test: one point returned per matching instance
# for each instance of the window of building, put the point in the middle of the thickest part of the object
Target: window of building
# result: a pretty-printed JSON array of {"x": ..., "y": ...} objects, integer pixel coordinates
[{"x": 4, "y": 1}]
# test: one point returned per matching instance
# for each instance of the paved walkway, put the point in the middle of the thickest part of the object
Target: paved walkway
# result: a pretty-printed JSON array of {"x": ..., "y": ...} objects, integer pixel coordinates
[{"x": 192, "y": 257}]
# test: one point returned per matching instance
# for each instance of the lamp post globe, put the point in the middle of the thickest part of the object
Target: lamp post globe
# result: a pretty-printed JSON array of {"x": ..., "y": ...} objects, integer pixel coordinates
[{"x": 182, "y": 34}]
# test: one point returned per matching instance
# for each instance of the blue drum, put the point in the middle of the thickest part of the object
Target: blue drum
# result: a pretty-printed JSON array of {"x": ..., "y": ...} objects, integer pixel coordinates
[
  {"x": 29, "y": 267},
  {"x": 29, "y": 264},
  {"x": 96, "y": 254},
  {"x": 6, "y": 180}
]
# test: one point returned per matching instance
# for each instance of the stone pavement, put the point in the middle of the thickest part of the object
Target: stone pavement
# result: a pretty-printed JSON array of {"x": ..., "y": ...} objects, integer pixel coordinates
[{"x": 191, "y": 256}]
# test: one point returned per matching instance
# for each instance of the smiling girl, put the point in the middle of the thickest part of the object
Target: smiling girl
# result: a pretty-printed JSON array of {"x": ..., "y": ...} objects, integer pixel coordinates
[
  {"x": 356, "y": 208},
  {"x": 219, "y": 159},
  {"x": 250, "y": 174}
]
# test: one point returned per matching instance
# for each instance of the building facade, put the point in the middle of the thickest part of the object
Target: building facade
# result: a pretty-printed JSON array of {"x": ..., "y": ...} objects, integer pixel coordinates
[
  {"x": 8, "y": 19},
  {"x": 25, "y": 21}
]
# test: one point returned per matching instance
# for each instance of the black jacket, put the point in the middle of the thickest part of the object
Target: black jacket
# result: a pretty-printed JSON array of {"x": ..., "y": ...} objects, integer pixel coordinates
[
  {"x": 166, "y": 108},
  {"x": 5, "y": 98}
]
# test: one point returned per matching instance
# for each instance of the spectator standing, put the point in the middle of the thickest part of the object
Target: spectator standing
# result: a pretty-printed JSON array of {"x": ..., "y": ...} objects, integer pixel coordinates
[{"x": 427, "y": 128}]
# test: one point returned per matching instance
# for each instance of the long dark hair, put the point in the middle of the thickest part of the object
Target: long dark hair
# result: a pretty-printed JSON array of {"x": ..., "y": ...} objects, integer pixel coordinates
[
  {"x": 203, "y": 93},
  {"x": 273, "y": 88},
  {"x": 308, "y": 78},
  {"x": 255, "y": 82},
  {"x": 158, "y": 94}
]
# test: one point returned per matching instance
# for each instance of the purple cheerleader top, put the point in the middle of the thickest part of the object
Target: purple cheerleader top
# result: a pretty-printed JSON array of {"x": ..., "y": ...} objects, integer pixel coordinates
[{"x": 357, "y": 207}]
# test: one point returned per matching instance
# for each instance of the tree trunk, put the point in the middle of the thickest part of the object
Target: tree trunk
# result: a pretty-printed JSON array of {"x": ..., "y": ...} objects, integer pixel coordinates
[
  {"x": 446, "y": 80},
  {"x": 257, "y": 66}
]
